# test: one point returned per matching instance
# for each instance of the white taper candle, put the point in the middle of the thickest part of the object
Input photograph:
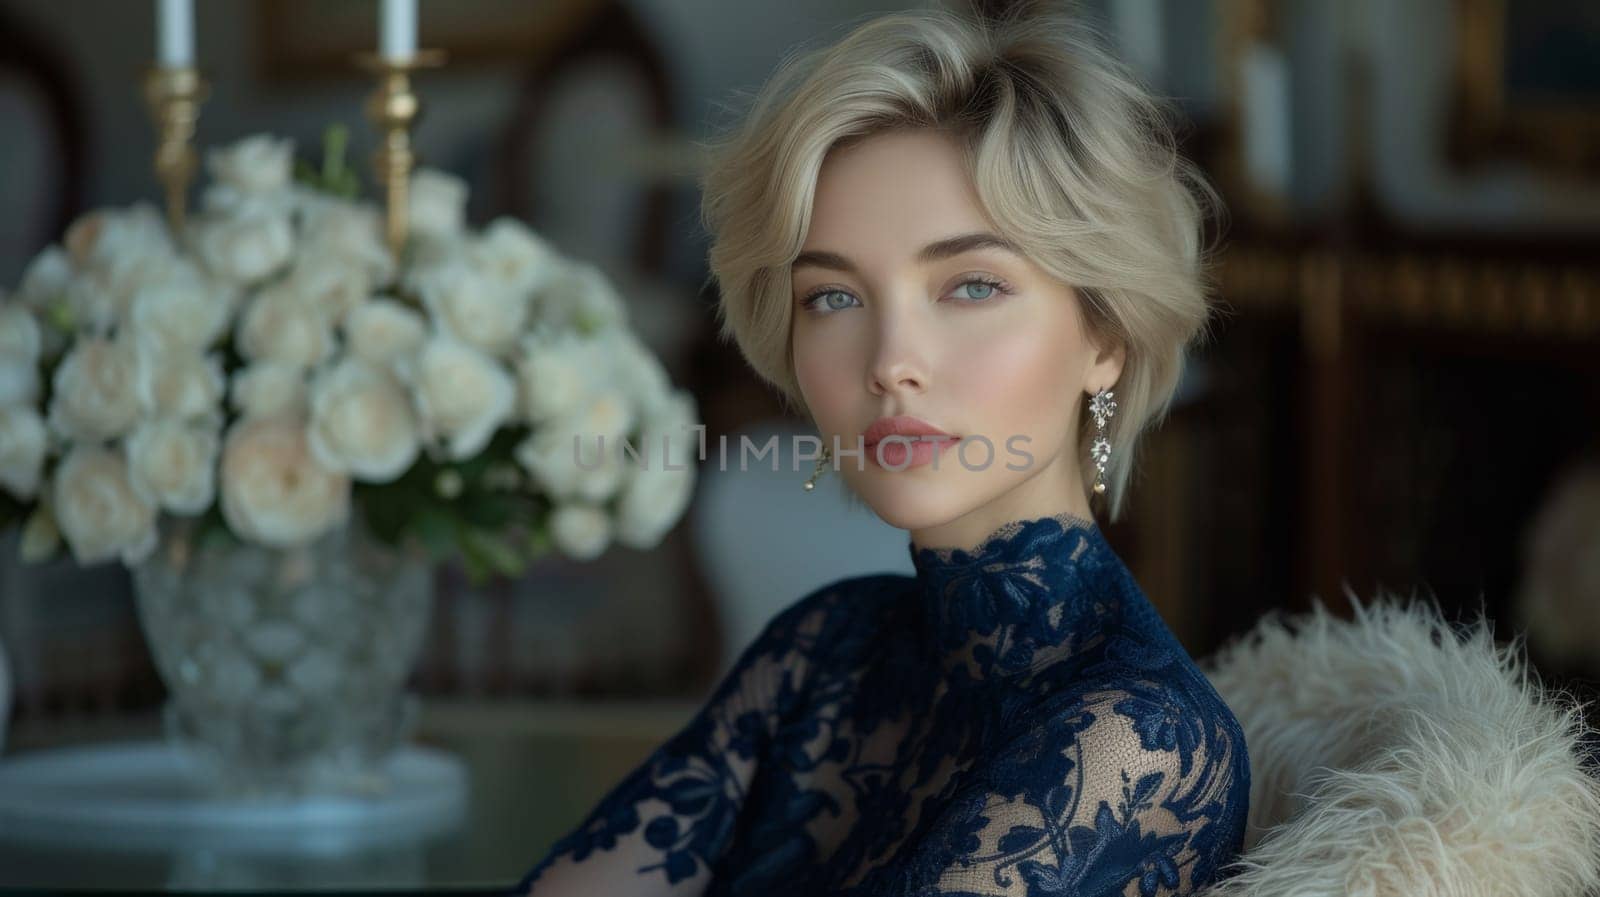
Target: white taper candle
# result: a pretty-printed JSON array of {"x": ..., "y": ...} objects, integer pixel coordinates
[
  {"x": 399, "y": 29},
  {"x": 175, "y": 33},
  {"x": 1268, "y": 136}
]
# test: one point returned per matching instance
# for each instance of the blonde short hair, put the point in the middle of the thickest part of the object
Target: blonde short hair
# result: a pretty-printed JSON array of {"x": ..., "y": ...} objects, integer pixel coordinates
[{"x": 1071, "y": 157}]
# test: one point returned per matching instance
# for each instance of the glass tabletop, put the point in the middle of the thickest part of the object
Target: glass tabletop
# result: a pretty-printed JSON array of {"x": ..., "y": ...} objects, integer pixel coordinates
[{"x": 533, "y": 770}]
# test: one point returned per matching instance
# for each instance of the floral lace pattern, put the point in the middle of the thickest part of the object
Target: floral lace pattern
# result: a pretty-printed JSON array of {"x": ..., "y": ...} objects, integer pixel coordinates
[{"x": 1014, "y": 719}]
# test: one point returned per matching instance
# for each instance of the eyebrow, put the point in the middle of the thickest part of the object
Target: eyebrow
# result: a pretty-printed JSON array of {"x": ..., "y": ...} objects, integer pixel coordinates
[{"x": 933, "y": 252}]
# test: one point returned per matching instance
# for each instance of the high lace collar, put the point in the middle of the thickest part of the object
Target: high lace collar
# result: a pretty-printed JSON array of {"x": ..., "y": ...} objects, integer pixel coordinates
[{"x": 1027, "y": 595}]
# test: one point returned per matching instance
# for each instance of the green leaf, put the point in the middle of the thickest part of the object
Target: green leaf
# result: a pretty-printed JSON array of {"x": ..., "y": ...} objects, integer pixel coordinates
[
  {"x": 383, "y": 511},
  {"x": 473, "y": 468},
  {"x": 59, "y": 314},
  {"x": 491, "y": 511},
  {"x": 539, "y": 542},
  {"x": 336, "y": 176},
  {"x": 348, "y": 186},
  {"x": 41, "y": 538},
  {"x": 334, "y": 142},
  {"x": 305, "y": 173},
  {"x": 438, "y": 530},
  {"x": 493, "y": 551},
  {"x": 211, "y": 529}
]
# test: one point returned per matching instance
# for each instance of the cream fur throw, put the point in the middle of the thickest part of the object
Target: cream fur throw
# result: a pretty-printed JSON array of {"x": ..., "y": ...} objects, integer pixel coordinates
[{"x": 1398, "y": 754}]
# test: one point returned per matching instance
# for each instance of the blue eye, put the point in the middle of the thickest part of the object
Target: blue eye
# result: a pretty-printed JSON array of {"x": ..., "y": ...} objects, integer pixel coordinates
[
  {"x": 983, "y": 289},
  {"x": 810, "y": 302}
]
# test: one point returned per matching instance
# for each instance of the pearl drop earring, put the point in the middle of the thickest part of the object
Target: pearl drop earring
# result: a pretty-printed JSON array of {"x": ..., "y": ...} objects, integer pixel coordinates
[
  {"x": 811, "y": 482},
  {"x": 1102, "y": 406}
]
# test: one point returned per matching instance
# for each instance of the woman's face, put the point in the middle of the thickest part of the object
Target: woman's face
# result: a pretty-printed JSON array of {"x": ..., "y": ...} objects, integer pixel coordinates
[{"x": 901, "y": 310}]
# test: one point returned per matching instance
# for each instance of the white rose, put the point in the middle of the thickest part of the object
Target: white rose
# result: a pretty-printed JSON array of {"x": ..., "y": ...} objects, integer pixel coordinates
[
  {"x": 516, "y": 256},
  {"x": 119, "y": 263},
  {"x": 580, "y": 455},
  {"x": 384, "y": 331},
  {"x": 178, "y": 383},
  {"x": 348, "y": 230},
  {"x": 44, "y": 281},
  {"x": 580, "y": 297},
  {"x": 255, "y": 168},
  {"x": 187, "y": 309},
  {"x": 45, "y": 291},
  {"x": 651, "y": 502},
  {"x": 555, "y": 371},
  {"x": 608, "y": 413},
  {"x": 567, "y": 472},
  {"x": 89, "y": 305},
  {"x": 661, "y": 485},
  {"x": 274, "y": 491},
  {"x": 109, "y": 240},
  {"x": 269, "y": 388},
  {"x": 330, "y": 283},
  {"x": 361, "y": 422},
  {"x": 85, "y": 306},
  {"x": 552, "y": 461},
  {"x": 173, "y": 464},
  {"x": 581, "y": 531},
  {"x": 19, "y": 333},
  {"x": 96, "y": 390},
  {"x": 462, "y": 395},
  {"x": 245, "y": 248},
  {"x": 19, "y": 380},
  {"x": 438, "y": 202},
  {"x": 668, "y": 435},
  {"x": 437, "y": 251},
  {"x": 473, "y": 307},
  {"x": 99, "y": 513},
  {"x": 672, "y": 422},
  {"x": 599, "y": 477},
  {"x": 23, "y": 444},
  {"x": 278, "y": 326},
  {"x": 634, "y": 367},
  {"x": 424, "y": 257}
]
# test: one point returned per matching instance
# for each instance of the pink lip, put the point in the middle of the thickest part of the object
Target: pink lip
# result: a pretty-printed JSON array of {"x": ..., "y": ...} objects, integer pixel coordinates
[
  {"x": 900, "y": 456},
  {"x": 900, "y": 425}
]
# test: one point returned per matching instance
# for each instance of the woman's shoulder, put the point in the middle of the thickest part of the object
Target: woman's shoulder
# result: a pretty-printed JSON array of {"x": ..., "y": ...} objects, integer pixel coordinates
[
  {"x": 1137, "y": 770},
  {"x": 1144, "y": 711},
  {"x": 1139, "y": 657},
  {"x": 1139, "y": 691},
  {"x": 1140, "y": 654}
]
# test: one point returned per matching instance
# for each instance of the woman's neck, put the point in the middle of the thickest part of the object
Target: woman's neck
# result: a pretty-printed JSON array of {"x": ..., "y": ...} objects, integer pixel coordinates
[{"x": 1052, "y": 493}]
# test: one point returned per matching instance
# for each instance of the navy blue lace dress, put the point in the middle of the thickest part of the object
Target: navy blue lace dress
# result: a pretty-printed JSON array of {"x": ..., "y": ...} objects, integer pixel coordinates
[{"x": 1016, "y": 719}]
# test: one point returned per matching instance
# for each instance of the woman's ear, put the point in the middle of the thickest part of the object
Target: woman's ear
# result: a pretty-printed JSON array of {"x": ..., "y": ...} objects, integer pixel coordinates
[{"x": 1107, "y": 357}]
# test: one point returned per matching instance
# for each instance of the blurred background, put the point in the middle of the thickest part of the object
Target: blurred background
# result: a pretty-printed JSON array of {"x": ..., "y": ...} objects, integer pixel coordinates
[{"x": 1401, "y": 393}]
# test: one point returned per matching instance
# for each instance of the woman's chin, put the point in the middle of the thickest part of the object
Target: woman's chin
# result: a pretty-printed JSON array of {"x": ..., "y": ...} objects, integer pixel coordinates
[{"x": 912, "y": 499}]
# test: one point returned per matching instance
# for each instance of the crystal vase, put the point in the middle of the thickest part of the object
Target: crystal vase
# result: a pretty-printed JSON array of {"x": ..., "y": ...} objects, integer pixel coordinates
[{"x": 286, "y": 670}]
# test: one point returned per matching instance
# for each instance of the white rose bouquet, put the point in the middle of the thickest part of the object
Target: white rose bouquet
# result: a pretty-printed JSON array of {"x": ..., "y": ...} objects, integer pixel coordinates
[{"x": 273, "y": 368}]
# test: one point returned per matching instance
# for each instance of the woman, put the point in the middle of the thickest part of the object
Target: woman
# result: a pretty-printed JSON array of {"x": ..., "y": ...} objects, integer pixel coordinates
[{"x": 939, "y": 233}]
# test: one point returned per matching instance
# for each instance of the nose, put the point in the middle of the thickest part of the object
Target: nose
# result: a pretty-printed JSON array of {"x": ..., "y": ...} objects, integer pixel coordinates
[{"x": 899, "y": 361}]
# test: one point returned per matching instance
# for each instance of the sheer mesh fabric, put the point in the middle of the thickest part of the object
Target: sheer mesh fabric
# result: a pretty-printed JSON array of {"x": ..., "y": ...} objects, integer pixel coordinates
[{"x": 1016, "y": 719}]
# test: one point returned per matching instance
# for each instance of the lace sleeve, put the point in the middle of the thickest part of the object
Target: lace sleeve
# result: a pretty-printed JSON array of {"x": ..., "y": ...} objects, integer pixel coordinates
[
  {"x": 662, "y": 827},
  {"x": 1129, "y": 791}
]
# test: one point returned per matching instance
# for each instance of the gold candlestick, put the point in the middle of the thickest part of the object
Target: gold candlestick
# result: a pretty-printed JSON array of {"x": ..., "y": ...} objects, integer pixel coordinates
[
  {"x": 394, "y": 109},
  {"x": 174, "y": 96}
]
